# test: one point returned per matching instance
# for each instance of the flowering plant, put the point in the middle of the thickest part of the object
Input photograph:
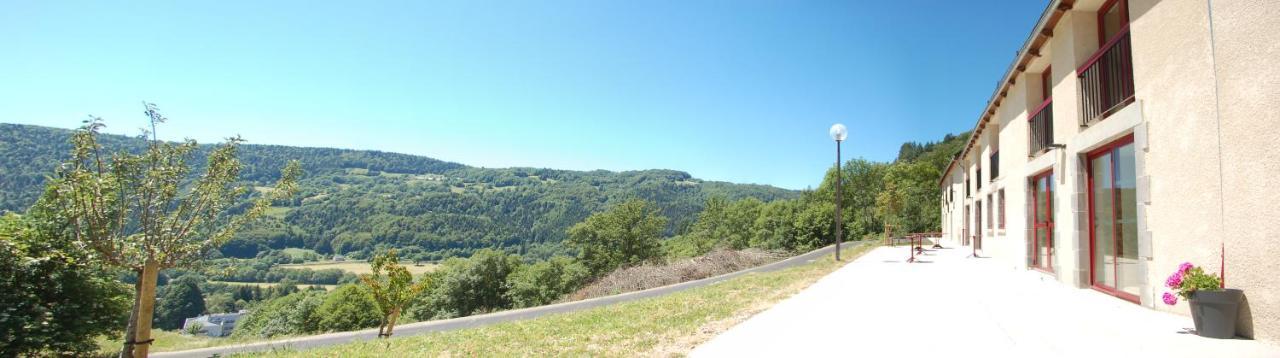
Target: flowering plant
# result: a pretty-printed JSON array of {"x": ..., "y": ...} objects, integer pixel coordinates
[{"x": 1187, "y": 280}]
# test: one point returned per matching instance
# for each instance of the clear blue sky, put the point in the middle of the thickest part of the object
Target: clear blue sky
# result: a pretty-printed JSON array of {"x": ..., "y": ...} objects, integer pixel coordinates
[{"x": 740, "y": 91}]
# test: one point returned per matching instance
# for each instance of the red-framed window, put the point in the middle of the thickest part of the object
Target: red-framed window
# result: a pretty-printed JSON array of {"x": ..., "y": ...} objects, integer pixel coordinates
[
  {"x": 1000, "y": 203},
  {"x": 1113, "y": 20},
  {"x": 995, "y": 164},
  {"x": 1046, "y": 84},
  {"x": 1042, "y": 187},
  {"x": 990, "y": 206},
  {"x": 979, "y": 176},
  {"x": 1113, "y": 219}
]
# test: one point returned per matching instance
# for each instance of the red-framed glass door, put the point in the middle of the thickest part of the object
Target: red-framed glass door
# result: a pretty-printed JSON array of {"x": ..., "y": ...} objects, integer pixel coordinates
[
  {"x": 965, "y": 236},
  {"x": 1042, "y": 221},
  {"x": 1113, "y": 218}
]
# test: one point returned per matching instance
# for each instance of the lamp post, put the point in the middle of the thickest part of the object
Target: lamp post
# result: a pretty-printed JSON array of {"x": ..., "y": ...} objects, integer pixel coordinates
[{"x": 839, "y": 133}]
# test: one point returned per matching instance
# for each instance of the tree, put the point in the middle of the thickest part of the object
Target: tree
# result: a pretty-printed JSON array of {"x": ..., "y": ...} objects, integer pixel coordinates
[
  {"x": 224, "y": 302},
  {"x": 711, "y": 228},
  {"x": 392, "y": 288},
  {"x": 723, "y": 224},
  {"x": 53, "y": 299},
  {"x": 625, "y": 235},
  {"x": 144, "y": 212},
  {"x": 740, "y": 218},
  {"x": 774, "y": 228},
  {"x": 813, "y": 225},
  {"x": 889, "y": 204},
  {"x": 862, "y": 181},
  {"x": 912, "y": 188},
  {"x": 348, "y": 308},
  {"x": 182, "y": 299}
]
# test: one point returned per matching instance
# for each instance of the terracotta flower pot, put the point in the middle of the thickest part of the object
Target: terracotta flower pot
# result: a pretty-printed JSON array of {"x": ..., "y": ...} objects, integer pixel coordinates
[{"x": 1215, "y": 312}]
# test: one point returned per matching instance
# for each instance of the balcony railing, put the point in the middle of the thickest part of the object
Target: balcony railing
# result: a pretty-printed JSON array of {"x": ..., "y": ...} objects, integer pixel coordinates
[
  {"x": 1106, "y": 80},
  {"x": 1041, "y": 128}
]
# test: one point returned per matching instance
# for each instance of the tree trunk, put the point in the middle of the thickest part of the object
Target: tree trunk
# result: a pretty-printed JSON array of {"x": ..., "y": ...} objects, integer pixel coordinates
[
  {"x": 131, "y": 329},
  {"x": 391, "y": 322},
  {"x": 146, "y": 307}
]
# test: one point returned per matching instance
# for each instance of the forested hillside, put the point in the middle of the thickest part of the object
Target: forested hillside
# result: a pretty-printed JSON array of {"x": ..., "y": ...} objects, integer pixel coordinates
[{"x": 353, "y": 202}]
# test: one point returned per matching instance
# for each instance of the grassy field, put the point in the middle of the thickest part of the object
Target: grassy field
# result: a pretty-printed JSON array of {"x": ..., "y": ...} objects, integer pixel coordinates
[
  {"x": 167, "y": 341},
  {"x": 356, "y": 267},
  {"x": 294, "y": 252},
  {"x": 273, "y": 284},
  {"x": 277, "y": 212},
  {"x": 661, "y": 326}
]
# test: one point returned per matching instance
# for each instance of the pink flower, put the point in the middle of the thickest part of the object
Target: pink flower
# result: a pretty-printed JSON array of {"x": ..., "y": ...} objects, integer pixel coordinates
[
  {"x": 1170, "y": 299},
  {"x": 1184, "y": 267},
  {"x": 1174, "y": 281}
]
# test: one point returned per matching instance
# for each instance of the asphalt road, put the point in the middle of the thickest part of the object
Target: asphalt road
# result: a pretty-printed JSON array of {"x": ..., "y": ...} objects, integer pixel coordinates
[{"x": 301, "y": 343}]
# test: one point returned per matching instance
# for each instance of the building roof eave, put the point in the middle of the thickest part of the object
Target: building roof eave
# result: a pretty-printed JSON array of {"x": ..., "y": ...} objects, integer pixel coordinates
[{"x": 1030, "y": 49}]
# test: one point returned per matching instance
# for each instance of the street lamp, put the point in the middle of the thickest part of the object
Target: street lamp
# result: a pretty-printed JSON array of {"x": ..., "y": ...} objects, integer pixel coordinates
[{"x": 839, "y": 133}]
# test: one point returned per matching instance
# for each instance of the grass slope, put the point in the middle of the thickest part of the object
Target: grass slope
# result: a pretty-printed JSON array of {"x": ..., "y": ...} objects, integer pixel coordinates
[{"x": 667, "y": 325}]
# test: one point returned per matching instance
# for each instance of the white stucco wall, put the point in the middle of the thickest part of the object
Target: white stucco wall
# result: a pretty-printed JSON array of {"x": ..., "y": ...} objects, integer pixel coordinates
[
  {"x": 1246, "y": 45},
  {"x": 1206, "y": 127}
]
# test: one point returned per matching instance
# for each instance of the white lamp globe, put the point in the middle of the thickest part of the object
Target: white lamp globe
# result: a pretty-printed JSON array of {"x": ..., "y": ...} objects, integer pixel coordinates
[{"x": 839, "y": 132}]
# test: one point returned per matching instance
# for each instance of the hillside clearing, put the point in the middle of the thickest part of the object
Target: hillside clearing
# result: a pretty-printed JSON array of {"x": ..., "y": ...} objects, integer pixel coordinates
[
  {"x": 667, "y": 325},
  {"x": 357, "y": 267},
  {"x": 300, "y": 286},
  {"x": 297, "y": 253}
]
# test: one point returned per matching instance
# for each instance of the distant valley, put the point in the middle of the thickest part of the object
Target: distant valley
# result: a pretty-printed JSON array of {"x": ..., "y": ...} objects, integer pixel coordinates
[{"x": 356, "y": 201}]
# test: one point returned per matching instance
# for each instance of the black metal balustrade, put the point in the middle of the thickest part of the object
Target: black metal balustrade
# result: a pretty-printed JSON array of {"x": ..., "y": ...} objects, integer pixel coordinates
[
  {"x": 1106, "y": 80},
  {"x": 1041, "y": 128}
]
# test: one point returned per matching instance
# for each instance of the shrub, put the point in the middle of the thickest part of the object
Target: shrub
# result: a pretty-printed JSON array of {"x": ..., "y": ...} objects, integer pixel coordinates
[
  {"x": 462, "y": 287},
  {"x": 54, "y": 302},
  {"x": 347, "y": 308},
  {"x": 193, "y": 329},
  {"x": 545, "y": 282},
  {"x": 292, "y": 314}
]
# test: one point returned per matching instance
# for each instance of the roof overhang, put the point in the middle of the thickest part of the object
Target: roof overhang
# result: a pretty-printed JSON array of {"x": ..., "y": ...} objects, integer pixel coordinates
[{"x": 1030, "y": 50}]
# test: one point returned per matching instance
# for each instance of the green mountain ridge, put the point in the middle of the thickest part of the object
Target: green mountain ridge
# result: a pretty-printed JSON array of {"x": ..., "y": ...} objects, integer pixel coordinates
[{"x": 355, "y": 201}]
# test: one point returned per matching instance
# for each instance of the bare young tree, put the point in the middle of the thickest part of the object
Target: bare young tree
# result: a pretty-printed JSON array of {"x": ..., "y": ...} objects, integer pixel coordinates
[{"x": 145, "y": 212}]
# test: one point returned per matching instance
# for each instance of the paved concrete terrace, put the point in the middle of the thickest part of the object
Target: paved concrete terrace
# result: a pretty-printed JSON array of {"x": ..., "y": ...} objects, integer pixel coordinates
[{"x": 950, "y": 305}]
